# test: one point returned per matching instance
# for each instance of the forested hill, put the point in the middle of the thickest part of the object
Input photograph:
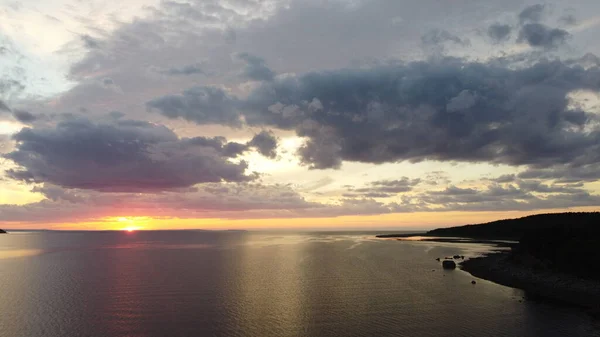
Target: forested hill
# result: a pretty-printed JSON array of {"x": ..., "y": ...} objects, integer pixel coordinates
[{"x": 515, "y": 229}]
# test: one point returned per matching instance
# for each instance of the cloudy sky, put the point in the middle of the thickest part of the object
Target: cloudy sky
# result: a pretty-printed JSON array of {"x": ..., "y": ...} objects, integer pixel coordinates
[{"x": 296, "y": 113}]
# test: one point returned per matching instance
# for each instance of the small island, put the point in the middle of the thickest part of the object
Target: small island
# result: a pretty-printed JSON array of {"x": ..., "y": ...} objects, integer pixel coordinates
[{"x": 554, "y": 256}]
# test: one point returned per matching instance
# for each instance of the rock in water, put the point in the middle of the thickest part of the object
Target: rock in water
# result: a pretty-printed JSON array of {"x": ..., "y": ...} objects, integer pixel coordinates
[
  {"x": 473, "y": 282},
  {"x": 448, "y": 264}
]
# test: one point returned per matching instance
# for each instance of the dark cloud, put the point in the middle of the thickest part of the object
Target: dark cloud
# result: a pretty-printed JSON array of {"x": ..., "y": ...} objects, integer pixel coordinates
[
  {"x": 533, "y": 13},
  {"x": 203, "y": 105},
  {"x": 564, "y": 173},
  {"x": 116, "y": 114},
  {"x": 322, "y": 149},
  {"x": 439, "y": 36},
  {"x": 435, "y": 41},
  {"x": 542, "y": 36},
  {"x": 108, "y": 82},
  {"x": 384, "y": 188},
  {"x": 125, "y": 155},
  {"x": 539, "y": 187},
  {"x": 266, "y": 144},
  {"x": 18, "y": 114},
  {"x": 90, "y": 42},
  {"x": 588, "y": 60},
  {"x": 256, "y": 68},
  {"x": 454, "y": 191},
  {"x": 506, "y": 178},
  {"x": 24, "y": 116},
  {"x": 525, "y": 195},
  {"x": 568, "y": 19},
  {"x": 499, "y": 32},
  {"x": 448, "y": 110},
  {"x": 485, "y": 202},
  {"x": 190, "y": 69}
]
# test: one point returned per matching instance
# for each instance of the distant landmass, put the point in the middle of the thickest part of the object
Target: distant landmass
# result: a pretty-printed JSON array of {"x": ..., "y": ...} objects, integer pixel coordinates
[
  {"x": 565, "y": 242},
  {"x": 527, "y": 227},
  {"x": 516, "y": 229},
  {"x": 2, "y": 231},
  {"x": 556, "y": 255}
]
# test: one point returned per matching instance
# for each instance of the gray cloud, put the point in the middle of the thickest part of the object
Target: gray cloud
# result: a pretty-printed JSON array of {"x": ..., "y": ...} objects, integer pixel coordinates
[
  {"x": 190, "y": 69},
  {"x": 384, "y": 188},
  {"x": 565, "y": 173},
  {"x": 203, "y": 105},
  {"x": 10, "y": 87},
  {"x": 587, "y": 61},
  {"x": 107, "y": 82},
  {"x": 90, "y": 42},
  {"x": 323, "y": 147},
  {"x": 539, "y": 35},
  {"x": 435, "y": 41},
  {"x": 419, "y": 111},
  {"x": 533, "y": 13},
  {"x": 125, "y": 155},
  {"x": 499, "y": 32},
  {"x": 539, "y": 187},
  {"x": 256, "y": 68},
  {"x": 444, "y": 110},
  {"x": 523, "y": 196},
  {"x": 202, "y": 13},
  {"x": 24, "y": 116},
  {"x": 439, "y": 36},
  {"x": 266, "y": 144},
  {"x": 4, "y": 107},
  {"x": 116, "y": 114},
  {"x": 506, "y": 178},
  {"x": 568, "y": 19}
]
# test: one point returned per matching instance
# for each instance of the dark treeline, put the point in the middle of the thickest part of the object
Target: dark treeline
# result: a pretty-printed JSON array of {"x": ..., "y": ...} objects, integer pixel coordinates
[
  {"x": 515, "y": 229},
  {"x": 564, "y": 242},
  {"x": 2, "y": 232}
]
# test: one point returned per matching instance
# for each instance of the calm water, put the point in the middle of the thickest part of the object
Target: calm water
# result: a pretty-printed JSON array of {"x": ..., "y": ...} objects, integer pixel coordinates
[{"x": 198, "y": 283}]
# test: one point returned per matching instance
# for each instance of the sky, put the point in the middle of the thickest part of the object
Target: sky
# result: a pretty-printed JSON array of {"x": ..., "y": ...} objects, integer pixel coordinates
[{"x": 337, "y": 114}]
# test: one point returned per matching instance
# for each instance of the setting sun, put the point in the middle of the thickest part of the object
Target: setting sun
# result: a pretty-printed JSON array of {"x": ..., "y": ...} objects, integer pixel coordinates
[{"x": 129, "y": 224}]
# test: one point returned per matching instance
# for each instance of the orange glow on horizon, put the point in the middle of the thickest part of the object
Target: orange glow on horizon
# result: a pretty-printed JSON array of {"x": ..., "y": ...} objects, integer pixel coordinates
[
  {"x": 131, "y": 223},
  {"x": 397, "y": 221}
]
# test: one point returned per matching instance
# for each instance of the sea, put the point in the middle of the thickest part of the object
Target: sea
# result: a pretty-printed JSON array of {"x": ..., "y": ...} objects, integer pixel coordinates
[{"x": 258, "y": 284}]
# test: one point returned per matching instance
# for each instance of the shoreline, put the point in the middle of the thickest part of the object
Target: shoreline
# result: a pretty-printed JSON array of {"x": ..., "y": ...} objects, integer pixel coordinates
[{"x": 498, "y": 268}]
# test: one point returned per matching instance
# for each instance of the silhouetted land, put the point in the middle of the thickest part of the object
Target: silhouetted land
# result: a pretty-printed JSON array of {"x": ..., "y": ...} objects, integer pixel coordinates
[
  {"x": 515, "y": 229},
  {"x": 2, "y": 232},
  {"x": 556, "y": 256},
  {"x": 563, "y": 242}
]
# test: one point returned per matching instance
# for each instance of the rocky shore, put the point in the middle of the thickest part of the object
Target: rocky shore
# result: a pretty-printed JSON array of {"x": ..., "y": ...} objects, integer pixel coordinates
[{"x": 499, "y": 267}]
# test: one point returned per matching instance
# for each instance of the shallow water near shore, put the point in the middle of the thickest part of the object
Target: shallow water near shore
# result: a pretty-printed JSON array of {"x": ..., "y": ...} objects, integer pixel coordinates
[{"x": 192, "y": 283}]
